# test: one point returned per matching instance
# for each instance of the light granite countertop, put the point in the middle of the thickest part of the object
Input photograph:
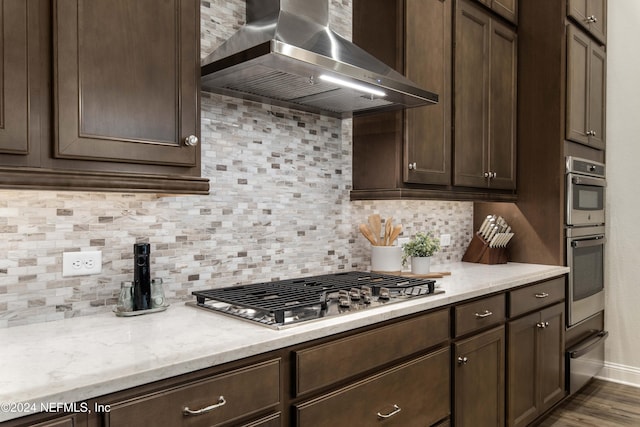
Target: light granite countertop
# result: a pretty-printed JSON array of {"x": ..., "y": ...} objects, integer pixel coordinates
[{"x": 76, "y": 359}]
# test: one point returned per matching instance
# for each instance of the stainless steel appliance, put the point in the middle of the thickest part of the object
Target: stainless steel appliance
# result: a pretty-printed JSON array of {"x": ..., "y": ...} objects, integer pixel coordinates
[
  {"x": 586, "y": 360},
  {"x": 288, "y": 302},
  {"x": 585, "y": 192},
  {"x": 287, "y": 55},
  {"x": 585, "y": 258}
]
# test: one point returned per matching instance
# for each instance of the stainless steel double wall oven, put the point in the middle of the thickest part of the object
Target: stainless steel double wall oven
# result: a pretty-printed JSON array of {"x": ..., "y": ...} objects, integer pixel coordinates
[
  {"x": 585, "y": 239},
  {"x": 585, "y": 235}
]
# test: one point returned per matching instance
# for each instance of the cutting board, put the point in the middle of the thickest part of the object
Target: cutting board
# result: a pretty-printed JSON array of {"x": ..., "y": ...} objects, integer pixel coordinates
[{"x": 432, "y": 275}]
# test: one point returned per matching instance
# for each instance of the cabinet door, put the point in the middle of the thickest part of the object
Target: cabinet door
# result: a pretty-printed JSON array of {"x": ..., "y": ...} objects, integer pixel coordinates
[
  {"x": 586, "y": 90},
  {"x": 502, "y": 109},
  {"x": 479, "y": 380},
  {"x": 577, "y": 121},
  {"x": 598, "y": 13},
  {"x": 507, "y": 9},
  {"x": 428, "y": 63},
  {"x": 473, "y": 35},
  {"x": 578, "y": 9},
  {"x": 590, "y": 14},
  {"x": 536, "y": 364},
  {"x": 551, "y": 357},
  {"x": 14, "y": 138},
  {"x": 522, "y": 406},
  {"x": 126, "y": 80},
  {"x": 597, "y": 96}
]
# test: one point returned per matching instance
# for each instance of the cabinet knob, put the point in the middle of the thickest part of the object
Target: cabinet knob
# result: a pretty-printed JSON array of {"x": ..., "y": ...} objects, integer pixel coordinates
[
  {"x": 191, "y": 141},
  {"x": 542, "y": 325},
  {"x": 592, "y": 19},
  {"x": 413, "y": 166},
  {"x": 487, "y": 174},
  {"x": 493, "y": 175},
  {"x": 462, "y": 360}
]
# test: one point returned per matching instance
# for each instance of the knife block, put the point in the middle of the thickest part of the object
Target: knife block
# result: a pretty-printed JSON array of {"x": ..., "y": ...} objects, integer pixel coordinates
[{"x": 480, "y": 252}]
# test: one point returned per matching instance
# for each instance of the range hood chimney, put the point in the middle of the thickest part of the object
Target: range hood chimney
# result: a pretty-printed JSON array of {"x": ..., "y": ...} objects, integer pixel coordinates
[{"x": 287, "y": 55}]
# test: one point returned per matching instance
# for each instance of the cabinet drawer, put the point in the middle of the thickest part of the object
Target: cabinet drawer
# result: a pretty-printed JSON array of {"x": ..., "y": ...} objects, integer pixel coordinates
[
  {"x": 270, "y": 421},
  {"x": 238, "y": 393},
  {"x": 419, "y": 390},
  {"x": 536, "y": 296},
  {"x": 325, "y": 364},
  {"x": 479, "y": 314}
]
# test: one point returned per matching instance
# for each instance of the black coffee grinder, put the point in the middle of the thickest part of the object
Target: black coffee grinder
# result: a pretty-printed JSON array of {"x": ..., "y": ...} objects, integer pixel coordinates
[{"x": 141, "y": 276}]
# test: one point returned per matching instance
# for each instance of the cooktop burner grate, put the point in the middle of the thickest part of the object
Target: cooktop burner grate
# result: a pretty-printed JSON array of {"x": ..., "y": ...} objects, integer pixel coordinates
[{"x": 281, "y": 297}]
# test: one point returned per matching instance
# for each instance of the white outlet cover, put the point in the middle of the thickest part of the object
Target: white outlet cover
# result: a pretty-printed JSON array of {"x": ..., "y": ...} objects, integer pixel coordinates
[
  {"x": 81, "y": 263},
  {"x": 445, "y": 240},
  {"x": 403, "y": 240}
]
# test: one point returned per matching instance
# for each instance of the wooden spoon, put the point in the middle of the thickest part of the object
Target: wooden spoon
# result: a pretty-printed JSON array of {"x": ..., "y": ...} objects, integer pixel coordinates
[
  {"x": 388, "y": 227},
  {"x": 395, "y": 233},
  {"x": 376, "y": 227},
  {"x": 366, "y": 232}
]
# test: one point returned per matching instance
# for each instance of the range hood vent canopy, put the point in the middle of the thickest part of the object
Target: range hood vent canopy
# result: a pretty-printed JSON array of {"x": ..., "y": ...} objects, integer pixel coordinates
[{"x": 287, "y": 55}]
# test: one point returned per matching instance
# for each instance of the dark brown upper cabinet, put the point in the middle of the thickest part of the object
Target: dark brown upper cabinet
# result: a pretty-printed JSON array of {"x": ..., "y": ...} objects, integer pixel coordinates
[
  {"x": 485, "y": 100},
  {"x": 590, "y": 15},
  {"x": 409, "y": 154},
  {"x": 13, "y": 82},
  {"x": 397, "y": 149},
  {"x": 586, "y": 90},
  {"x": 107, "y": 95},
  {"x": 508, "y": 9}
]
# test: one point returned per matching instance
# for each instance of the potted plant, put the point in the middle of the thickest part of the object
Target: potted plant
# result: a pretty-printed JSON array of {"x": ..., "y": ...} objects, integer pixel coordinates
[{"x": 420, "y": 249}]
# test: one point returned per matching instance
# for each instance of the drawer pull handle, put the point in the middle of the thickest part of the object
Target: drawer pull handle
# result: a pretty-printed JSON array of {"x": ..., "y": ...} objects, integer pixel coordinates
[
  {"x": 542, "y": 295},
  {"x": 486, "y": 313},
  {"x": 221, "y": 402},
  {"x": 396, "y": 409}
]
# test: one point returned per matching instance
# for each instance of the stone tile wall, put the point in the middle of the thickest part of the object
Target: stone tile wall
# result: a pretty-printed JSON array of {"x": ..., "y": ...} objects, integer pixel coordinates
[{"x": 279, "y": 208}]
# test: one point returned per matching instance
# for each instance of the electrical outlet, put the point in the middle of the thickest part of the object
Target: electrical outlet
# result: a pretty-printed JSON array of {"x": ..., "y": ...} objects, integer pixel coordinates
[
  {"x": 445, "y": 240},
  {"x": 81, "y": 263},
  {"x": 403, "y": 240}
]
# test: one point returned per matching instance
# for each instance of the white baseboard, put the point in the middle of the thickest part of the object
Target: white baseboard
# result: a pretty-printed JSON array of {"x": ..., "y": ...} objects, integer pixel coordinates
[{"x": 622, "y": 374}]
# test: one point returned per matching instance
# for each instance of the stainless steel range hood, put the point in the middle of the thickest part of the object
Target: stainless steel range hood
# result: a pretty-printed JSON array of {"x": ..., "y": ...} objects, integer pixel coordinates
[{"x": 286, "y": 55}]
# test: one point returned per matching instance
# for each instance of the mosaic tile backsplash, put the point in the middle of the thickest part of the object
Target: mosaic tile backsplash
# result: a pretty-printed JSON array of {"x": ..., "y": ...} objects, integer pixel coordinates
[{"x": 279, "y": 208}]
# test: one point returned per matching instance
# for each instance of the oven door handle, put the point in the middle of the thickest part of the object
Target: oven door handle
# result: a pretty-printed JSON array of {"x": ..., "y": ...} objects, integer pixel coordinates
[
  {"x": 585, "y": 243},
  {"x": 585, "y": 180},
  {"x": 591, "y": 343}
]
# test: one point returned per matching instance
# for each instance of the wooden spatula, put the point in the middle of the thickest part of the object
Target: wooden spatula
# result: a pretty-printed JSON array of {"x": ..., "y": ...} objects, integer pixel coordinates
[{"x": 366, "y": 232}]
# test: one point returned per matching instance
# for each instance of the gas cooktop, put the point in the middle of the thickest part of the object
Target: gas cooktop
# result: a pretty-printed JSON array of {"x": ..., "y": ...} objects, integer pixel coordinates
[{"x": 288, "y": 302}]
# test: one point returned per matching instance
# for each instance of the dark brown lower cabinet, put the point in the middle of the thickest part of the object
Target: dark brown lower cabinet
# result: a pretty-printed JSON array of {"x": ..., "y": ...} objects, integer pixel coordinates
[
  {"x": 220, "y": 400},
  {"x": 536, "y": 364},
  {"x": 49, "y": 420},
  {"x": 415, "y": 393},
  {"x": 479, "y": 379}
]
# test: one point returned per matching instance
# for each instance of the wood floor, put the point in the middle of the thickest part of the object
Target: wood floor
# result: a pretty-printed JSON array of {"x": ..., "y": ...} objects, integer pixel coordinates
[{"x": 599, "y": 404}]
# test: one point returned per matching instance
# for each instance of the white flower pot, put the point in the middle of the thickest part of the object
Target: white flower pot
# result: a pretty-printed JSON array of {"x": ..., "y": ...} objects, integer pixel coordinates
[
  {"x": 420, "y": 265},
  {"x": 386, "y": 259}
]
